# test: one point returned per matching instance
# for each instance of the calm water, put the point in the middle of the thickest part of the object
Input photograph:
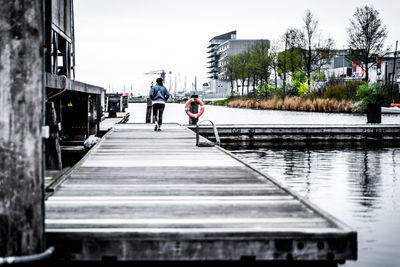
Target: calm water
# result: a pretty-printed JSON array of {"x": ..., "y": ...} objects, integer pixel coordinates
[
  {"x": 359, "y": 186},
  {"x": 224, "y": 115}
]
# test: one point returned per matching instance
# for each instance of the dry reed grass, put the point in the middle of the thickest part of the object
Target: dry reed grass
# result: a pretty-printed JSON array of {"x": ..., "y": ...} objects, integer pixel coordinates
[{"x": 294, "y": 103}]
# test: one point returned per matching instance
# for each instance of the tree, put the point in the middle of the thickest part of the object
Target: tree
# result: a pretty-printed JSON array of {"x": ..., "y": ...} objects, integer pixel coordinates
[
  {"x": 254, "y": 63},
  {"x": 240, "y": 66},
  {"x": 230, "y": 74},
  {"x": 366, "y": 36},
  {"x": 315, "y": 48},
  {"x": 273, "y": 59},
  {"x": 260, "y": 62},
  {"x": 290, "y": 60}
]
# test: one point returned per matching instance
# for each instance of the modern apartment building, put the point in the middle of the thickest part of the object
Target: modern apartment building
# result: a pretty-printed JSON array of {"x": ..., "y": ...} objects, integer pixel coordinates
[
  {"x": 230, "y": 48},
  {"x": 221, "y": 47},
  {"x": 214, "y": 53}
]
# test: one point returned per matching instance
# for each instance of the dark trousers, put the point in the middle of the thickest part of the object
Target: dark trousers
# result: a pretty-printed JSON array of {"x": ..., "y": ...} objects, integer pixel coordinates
[{"x": 158, "y": 110}]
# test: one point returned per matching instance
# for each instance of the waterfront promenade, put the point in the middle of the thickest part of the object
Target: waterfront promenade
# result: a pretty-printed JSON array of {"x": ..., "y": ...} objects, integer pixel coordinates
[{"x": 145, "y": 195}]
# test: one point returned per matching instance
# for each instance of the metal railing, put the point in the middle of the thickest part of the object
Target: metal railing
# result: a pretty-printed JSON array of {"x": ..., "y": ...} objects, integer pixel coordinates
[
  {"x": 198, "y": 143},
  {"x": 27, "y": 259}
]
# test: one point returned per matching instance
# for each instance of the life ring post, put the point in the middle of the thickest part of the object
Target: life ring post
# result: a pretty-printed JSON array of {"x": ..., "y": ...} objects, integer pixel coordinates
[{"x": 194, "y": 109}]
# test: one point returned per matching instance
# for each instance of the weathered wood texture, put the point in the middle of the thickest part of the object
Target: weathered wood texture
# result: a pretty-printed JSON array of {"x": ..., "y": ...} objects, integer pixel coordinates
[
  {"x": 21, "y": 208},
  {"x": 145, "y": 195}
]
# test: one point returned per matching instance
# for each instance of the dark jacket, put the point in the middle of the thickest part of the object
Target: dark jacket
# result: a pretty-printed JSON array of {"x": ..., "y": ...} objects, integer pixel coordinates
[{"x": 159, "y": 93}]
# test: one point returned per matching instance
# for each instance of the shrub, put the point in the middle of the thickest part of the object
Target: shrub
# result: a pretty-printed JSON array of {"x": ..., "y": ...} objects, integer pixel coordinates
[
  {"x": 221, "y": 102},
  {"x": 350, "y": 89},
  {"x": 335, "y": 92},
  {"x": 340, "y": 92},
  {"x": 370, "y": 93}
]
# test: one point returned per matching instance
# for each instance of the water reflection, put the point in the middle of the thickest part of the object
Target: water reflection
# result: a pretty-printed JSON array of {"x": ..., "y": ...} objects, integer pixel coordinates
[
  {"x": 369, "y": 180},
  {"x": 358, "y": 185}
]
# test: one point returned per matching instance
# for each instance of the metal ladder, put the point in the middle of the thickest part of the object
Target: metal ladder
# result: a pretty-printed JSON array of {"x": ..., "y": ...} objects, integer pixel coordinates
[{"x": 207, "y": 144}]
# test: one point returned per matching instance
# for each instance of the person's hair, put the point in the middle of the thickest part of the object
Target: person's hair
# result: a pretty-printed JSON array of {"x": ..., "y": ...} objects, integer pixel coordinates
[{"x": 159, "y": 81}]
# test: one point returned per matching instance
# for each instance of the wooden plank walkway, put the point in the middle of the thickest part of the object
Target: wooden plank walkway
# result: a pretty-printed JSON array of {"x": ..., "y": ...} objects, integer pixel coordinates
[{"x": 145, "y": 195}]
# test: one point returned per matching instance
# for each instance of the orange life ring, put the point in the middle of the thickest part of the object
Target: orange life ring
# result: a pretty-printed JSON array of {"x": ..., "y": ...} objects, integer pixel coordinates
[
  {"x": 187, "y": 108},
  {"x": 395, "y": 105}
]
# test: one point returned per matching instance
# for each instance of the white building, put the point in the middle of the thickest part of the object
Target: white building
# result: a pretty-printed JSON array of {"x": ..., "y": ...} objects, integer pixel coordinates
[
  {"x": 221, "y": 48},
  {"x": 340, "y": 66}
]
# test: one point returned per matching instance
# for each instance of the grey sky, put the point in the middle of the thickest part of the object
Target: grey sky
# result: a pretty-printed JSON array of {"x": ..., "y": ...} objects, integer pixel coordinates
[{"x": 118, "y": 41}]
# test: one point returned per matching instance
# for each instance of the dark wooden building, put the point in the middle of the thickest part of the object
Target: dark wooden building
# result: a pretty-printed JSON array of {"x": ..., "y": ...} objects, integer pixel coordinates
[{"x": 73, "y": 109}]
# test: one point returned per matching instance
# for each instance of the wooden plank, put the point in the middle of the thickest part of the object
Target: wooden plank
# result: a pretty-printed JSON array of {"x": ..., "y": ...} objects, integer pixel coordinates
[{"x": 140, "y": 193}]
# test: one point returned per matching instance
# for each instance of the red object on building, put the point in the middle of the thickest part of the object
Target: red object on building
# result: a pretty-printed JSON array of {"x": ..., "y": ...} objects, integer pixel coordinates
[
  {"x": 378, "y": 61},
  {"x": 354, "y": 65},
  {"x": 378, "y": 66}
]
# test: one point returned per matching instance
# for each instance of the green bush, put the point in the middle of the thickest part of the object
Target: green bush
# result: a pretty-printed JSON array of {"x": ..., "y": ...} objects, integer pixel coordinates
[
  {"x": 350, "y": 89},
  {"x": 319, "y": 76},
  {"x": 340, "y": 92},
  {"x": 370, "y": 93},
  {"x": 268, "y": 91},
  {"x": 221, "y": 102},
  {"x": 335, "y": 92},
  {"x": 299, "y": 84}
]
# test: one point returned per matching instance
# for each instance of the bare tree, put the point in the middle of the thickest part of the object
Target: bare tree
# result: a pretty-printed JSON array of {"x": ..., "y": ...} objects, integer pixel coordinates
[
  {"x": 289, "y": 60},
  {"x": 315, "y": 48},
  {"x": 274, "y": 61},
  {"x": 366, "y": 36}
]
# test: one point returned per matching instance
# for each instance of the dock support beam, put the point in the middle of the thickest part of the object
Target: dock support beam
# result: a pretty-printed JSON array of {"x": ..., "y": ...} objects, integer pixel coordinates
[{"x": 21, "y": 85}]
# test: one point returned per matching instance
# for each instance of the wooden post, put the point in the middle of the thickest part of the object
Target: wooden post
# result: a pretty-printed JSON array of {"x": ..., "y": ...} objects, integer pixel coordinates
[
  {"x": 374, "y": 113},
  {"x": 194, "y": 108},
  {"x": 21, "y": 85},
  {"x": 148, "y": 110},
  {"x": 394, "y": 73},
  {"x": 53, "y": 149}
]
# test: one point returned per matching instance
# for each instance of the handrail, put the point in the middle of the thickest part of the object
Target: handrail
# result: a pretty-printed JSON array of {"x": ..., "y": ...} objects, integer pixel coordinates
[
  {"x": 218, "y": 141},
  {"x": 27, "y": 259}
]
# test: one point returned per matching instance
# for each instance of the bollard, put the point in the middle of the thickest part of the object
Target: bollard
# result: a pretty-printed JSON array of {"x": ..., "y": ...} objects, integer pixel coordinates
[
  {"x": 194, "y": 108},
  {"x": 374, "y": 113},
  {"x": 148, "y": 110}
]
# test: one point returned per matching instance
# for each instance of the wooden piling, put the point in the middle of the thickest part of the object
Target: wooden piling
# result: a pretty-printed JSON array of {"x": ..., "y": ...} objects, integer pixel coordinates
[
  {"x": 53, "y": 149},
  {"x": 374, "y": 113},
  {"x": 21, "y": 183},
  {"x": 148, "y": 110},
  {"x": 194, "y": 108}
]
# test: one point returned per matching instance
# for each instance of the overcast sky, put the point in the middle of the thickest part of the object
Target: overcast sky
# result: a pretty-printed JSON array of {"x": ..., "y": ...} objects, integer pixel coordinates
[{"x": 117, "y": 41}]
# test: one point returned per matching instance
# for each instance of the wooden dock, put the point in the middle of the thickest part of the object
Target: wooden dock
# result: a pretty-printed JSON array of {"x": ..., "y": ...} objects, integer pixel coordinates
[
  {"x": 141, "y": 195},
  {"x": 270, "y": 134}
]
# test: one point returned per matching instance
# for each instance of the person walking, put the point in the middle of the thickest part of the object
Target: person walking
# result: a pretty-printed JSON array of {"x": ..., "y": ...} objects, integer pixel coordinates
[{"x": 159, "y": 95}]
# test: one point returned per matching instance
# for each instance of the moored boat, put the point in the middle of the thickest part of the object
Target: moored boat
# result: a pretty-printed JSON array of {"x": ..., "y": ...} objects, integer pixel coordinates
[{"x": 393, "y": 109}]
